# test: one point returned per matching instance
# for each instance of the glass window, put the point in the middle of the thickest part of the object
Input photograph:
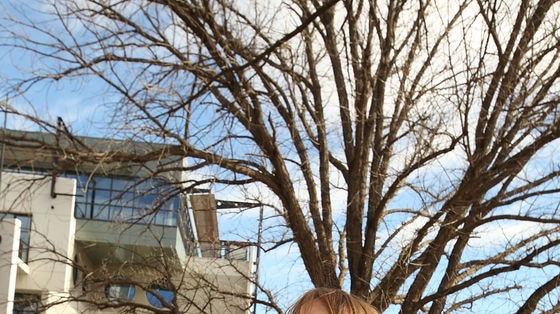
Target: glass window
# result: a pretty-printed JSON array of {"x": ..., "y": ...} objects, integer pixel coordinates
[
  {"x": 103, "y": 183},
  {"x": 144, "y": 185},
  {"x": 160, "y": 295},
  {"x": 100, "y": 212},
  {"x": 80, "y": 210},
  {"x": 121, "y": 184},
  {"x": 126, "y": 199},
  {"x": 84, "y": 196},
  {"x": 146, "y": 201},
  {"x": 26, "y": 304},
  {"x": 119, "y": 291},
  {"x": 25, "y": 234},
  {"x": 102, "y": 196}
]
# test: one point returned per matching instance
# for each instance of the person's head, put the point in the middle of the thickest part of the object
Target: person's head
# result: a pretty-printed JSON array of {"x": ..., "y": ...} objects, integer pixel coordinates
[{"x": 330, "y": 301}]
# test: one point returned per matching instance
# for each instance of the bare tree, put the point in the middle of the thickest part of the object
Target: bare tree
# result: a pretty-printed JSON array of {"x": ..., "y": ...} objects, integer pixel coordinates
[{"x": 435, "y": 122}]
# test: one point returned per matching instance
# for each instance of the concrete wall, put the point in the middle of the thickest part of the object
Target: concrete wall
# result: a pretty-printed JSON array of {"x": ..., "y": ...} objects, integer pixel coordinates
[
  {"x": 52, "y": 231},
  {"x": 206, "y": 285}
]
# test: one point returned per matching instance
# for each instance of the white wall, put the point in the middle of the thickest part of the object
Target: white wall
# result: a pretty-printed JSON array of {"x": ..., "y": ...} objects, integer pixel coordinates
[{"x": 52, "y": 230}]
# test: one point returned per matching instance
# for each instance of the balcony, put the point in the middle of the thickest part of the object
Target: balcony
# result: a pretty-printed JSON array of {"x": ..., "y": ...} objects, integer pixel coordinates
[
  {"x": 107, "y": 242},
  {"x": 230, "y": 250}
]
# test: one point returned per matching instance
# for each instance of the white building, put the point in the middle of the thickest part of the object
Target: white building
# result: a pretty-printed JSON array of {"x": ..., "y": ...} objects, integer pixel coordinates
[{"x": 80, "y": 237}]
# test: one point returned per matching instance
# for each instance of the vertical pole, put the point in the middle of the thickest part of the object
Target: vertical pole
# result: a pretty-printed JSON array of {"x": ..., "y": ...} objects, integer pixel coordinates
[
  {"x": 257, "y": 259},
  {"x": 3, "y": 146}
]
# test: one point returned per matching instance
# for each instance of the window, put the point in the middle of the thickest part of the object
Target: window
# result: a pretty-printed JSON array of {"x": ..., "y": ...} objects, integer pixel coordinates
[
  {"x": 160, "y": 294},
  {"x": 27, "y": 304},
  {"x": 127, "y": 199},
  {"x": 119, "y": 291},
  {"x": 24, "y": 236}
]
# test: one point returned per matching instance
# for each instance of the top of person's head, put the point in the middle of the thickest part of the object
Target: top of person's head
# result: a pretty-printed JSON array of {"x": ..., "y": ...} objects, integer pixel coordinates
[{"x": 330, "y": 301}]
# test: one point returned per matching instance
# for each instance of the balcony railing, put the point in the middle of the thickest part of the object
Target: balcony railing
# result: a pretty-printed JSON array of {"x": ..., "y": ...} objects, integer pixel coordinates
[{"x": 232, "y": 250}]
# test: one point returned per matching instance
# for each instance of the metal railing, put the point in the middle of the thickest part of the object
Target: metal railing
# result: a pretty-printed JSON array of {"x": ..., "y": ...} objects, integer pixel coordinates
[{"x": 232, "y": 250}]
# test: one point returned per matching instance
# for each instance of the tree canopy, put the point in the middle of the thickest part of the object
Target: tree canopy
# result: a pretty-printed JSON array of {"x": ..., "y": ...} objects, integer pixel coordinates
[{"x": 406, "y": 147}]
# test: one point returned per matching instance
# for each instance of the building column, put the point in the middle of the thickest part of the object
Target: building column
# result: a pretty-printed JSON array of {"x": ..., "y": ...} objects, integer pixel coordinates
[{"x": 9, "y": 246}]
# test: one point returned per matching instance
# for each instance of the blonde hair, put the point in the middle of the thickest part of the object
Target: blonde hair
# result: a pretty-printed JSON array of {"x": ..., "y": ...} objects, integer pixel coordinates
[{"x": 336, "y": 300}]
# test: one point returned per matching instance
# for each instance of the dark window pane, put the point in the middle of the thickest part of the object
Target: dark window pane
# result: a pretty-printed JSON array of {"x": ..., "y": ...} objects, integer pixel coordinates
[
  {"x": 24, "y": 236},
  {"x": 26, "y": 304}
]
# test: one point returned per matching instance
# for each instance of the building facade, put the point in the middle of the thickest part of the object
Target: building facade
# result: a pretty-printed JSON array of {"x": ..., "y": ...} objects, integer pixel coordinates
[{"x": 96, "y": 236}]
